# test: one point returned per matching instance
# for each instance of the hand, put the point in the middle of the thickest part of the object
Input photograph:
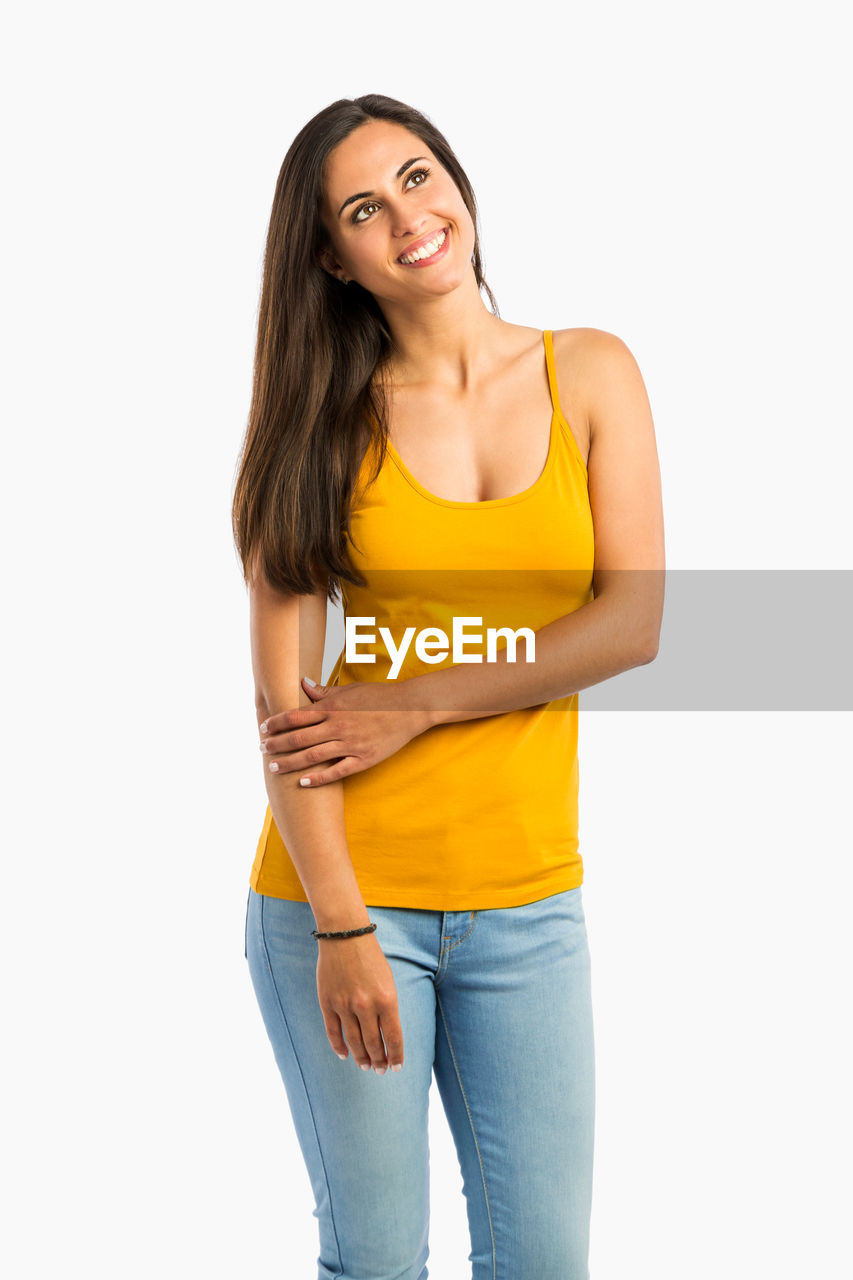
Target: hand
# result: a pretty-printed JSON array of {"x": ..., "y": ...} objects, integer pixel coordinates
[
  {"x": 355, "y": 725},
  {"x": 356, "y": 990}
]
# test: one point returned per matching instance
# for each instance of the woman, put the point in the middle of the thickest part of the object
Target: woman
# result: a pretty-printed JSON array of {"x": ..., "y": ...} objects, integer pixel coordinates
[{"x": 416, "y": 893}]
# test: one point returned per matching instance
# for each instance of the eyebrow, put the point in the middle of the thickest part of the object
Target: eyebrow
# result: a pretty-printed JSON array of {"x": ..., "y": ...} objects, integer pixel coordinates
[{"x": 362, "y": 195}]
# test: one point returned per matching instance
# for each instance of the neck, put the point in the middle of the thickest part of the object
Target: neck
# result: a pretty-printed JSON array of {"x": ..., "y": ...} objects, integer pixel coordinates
[{"x": 443, "y": 340}]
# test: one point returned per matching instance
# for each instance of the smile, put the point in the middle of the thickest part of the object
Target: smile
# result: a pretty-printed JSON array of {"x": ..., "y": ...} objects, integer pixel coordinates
[{"x": 434, "y": 248}]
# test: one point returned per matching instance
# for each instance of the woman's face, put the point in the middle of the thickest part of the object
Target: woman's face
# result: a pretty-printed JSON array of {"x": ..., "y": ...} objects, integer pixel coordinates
[{"x": 385, "y": 196}]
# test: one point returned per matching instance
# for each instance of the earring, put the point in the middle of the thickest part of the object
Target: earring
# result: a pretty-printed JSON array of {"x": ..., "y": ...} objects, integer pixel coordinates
[{"x": 344, "y": 280}]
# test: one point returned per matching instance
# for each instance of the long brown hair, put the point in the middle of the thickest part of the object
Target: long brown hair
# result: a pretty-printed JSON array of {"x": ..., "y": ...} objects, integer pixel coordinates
[{"x": 322, "y": 349}]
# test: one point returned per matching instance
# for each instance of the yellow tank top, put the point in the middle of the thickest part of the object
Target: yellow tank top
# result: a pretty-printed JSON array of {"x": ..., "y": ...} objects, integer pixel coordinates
[{"x": 478, "y": 813}]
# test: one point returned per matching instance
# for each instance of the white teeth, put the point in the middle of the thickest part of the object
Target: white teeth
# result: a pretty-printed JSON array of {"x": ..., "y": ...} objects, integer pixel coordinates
[{"x": 427, "y": 250}]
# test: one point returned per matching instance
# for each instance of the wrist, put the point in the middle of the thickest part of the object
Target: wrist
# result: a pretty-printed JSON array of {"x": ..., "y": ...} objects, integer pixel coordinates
[
  {"x": 356, "y": 937},
  {"x": 419, "y": 697},
  {"x": 337, "y": 922}
]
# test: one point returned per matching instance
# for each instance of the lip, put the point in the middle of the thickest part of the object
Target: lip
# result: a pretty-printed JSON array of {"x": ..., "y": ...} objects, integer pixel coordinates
[{"x": 419, "y": 243}]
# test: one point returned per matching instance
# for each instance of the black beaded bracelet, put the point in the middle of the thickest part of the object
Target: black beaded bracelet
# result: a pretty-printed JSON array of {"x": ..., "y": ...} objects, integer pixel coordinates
[{"x": 346, "y": 933}]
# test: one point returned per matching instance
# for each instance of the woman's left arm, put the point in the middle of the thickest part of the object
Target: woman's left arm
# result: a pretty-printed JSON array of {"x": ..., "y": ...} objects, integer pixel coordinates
[{"x": 615, "y": 631}]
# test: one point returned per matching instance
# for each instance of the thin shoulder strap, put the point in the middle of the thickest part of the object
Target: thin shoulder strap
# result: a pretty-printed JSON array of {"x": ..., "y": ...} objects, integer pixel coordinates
[{"x": 552, "y": 371}]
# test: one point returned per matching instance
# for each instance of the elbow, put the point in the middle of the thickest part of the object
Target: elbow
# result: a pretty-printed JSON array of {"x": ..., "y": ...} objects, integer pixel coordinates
[
  {"x": 641, "y": 640},
  {"x": 644, "y": 628},
  {"x": 647, "y": 651}
]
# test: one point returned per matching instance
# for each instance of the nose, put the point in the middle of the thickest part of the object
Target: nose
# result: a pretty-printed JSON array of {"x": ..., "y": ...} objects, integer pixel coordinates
[{"x": 407, "y": 222}]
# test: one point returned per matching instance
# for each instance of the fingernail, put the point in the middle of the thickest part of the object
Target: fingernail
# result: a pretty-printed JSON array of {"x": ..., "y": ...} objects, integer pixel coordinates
[
  {"x": 365, "y": 1066},
  {"x": 313, "y": 683},
  {"x": 305, "y": 782},
  {"x": 264, "y": 727},
  {"x": 274, "y": 767},
  {"x": 380, "y": 1071},
  {"x": 398, "y": 1066},
  {"x": 342, "y": 1056}
]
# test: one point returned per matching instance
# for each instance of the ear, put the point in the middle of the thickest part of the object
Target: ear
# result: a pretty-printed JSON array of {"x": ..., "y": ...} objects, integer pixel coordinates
[{"x": 329, "y": 262}]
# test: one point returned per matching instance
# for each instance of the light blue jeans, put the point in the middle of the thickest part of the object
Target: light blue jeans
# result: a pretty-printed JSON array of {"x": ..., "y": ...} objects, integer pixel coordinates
[{"x": 498, "y": 1004}]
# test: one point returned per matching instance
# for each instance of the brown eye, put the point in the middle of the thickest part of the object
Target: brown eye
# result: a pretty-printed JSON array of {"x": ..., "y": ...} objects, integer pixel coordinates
[{"x": 359, "y": 210}]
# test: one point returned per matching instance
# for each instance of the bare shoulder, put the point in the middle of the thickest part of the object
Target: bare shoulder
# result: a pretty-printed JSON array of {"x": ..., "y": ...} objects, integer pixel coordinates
[
  {"x": 581, "y": 361},
  {"x": 590, "y": 347},
  {"x": 589, "y": 356},
  {"x": 623, "y": 470},
  {"x": 599, "y": 376}
]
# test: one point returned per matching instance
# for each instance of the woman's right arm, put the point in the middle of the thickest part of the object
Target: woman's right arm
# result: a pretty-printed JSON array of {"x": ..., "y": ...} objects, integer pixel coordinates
[{"x": 355, "y": 985}]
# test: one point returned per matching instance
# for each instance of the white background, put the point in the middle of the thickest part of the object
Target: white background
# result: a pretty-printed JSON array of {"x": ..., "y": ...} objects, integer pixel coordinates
[{"x": 676, "y": 175}]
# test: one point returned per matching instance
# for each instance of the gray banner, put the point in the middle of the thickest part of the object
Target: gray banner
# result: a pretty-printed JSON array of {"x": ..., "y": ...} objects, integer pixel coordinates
[
  {"x": 744, "y": 640},
  {"x": 731, "y": 640}
]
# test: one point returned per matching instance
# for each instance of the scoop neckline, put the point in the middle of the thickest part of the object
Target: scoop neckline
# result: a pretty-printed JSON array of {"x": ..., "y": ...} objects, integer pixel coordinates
[{"x": 486, "y": 502}]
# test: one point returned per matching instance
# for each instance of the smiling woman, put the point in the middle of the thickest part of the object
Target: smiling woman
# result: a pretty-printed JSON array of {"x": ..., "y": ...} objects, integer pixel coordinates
[
  {"x": 418, "y": 871},
  {"x": 408, "y": 220},
  {"x": 329, "y": 260}
]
